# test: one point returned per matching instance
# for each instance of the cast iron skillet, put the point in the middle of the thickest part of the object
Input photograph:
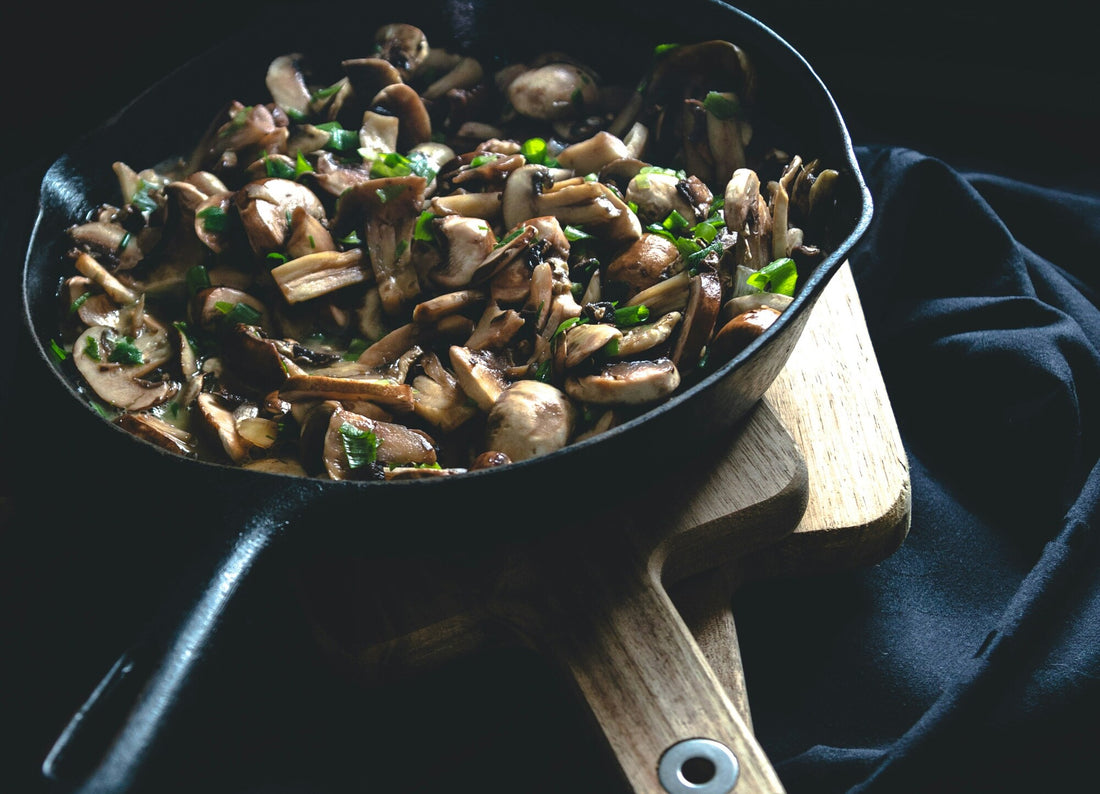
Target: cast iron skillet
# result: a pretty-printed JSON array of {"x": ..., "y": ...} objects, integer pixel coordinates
[{"x": 239, "y": 513}]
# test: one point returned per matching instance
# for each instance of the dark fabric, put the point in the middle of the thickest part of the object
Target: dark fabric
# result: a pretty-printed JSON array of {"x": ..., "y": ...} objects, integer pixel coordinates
[{"x": 969, "y": 660}]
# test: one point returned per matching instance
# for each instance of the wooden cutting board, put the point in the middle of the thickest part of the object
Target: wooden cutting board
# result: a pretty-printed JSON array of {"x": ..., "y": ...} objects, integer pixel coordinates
[{"x": 634, "y": 606}]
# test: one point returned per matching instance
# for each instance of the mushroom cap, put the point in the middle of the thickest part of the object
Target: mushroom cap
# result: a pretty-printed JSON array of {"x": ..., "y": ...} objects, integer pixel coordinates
[
  {"x": 741, "y": 331},
  {"x": 530, "y": 418},
  {"x": 552, "y": 92},
  {"x": 626, "y": 383}
]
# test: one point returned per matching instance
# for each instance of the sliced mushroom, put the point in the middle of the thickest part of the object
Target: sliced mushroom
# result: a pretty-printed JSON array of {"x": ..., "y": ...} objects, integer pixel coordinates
[
  {"x": 121, "y": 384},
  {"x": 741, "y": 331},
  {"x": 439, "y": 400},
  {"x": 703, "y": 305},
  {"x": 583, "y": 341},
  {"x": 465, "y": 73},
  {"x": 219, "y": 423},
  {"x": 402, "y": 101},
  {"x": 589, "y": 156},
  {"x": 313, "y": 275},
  {"x": 520, "y": 198},
  {"x": 156, "y": 431},
  {"x": 552, "y": 92},
  {"x": 480, "y": 374},
  {"x": 265, "y": 207},
  {"x": 403, "y": 45},
  {"x": 626, "y": 383},
  {"x": 528, "y": 419},
  {"x": 384, "y": 391},
  {"x": 647, "y": 336},
  {"x": 466, "y": 243},
  {"x": 496, "y": 328},
  {"x": 647, "y": 261},
  {"x": 286, "y": 83},
  {"x": 389, "y": 209},
  {"x": 353, "y": 442}
]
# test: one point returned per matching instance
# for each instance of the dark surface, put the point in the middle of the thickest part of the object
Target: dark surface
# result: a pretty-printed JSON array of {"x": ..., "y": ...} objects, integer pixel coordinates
[{"x": 967, "y": 661}]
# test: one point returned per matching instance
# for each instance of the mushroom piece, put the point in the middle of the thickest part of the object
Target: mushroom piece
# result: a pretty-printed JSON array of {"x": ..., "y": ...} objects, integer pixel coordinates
[
  {"x": 528, "y": 419},
  {"x": 353, "y": 444},
  {"x": 640, "y": 338},
  {"x": 402, "y": 101},
  {"x": 155, "y": 430},
  {"x": 593, "y": 206},
  {"x": 313, "y": 275},
  {"x": 403, "y": 45},
  {"x": 101, "y": 356},
  {"x": 466, "y": 72},
  {"x": 741, "y": 331},
  {"x": 626, "y": 383},
  {"x": 589, "y": 156},
  {"x": 658, "y": 194},
  {"x": 465, "y": 245},
  {"x": 480, "y": 374},
  {"x": 647, "y": 261},
  {"x": 520, "y": 197},
  {"x": 703, "y": 305},
  {"x": 438, "y": 398},
  {"x": 219, "y": 423},
  {"x": 265, "y": 207},
  {"x": 553, "y": 92},
  {"x": 583, "y": 341},
  {"x": 286, "y": 83},
  {"x": 389, "y": 209}
]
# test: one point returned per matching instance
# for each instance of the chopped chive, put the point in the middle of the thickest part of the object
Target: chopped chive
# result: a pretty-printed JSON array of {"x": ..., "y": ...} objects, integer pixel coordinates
[
  {"x": 125, "y": 352},
  {"x": 76, "y": 304},
  {"x": 91, "y": 348},
  {"x": 779, "y": 276},
  {"x": 58, "y": 351}
]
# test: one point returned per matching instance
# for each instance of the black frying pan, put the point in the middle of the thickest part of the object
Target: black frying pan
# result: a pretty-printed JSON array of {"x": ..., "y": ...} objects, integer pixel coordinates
[{"x": 238, "y": 513}]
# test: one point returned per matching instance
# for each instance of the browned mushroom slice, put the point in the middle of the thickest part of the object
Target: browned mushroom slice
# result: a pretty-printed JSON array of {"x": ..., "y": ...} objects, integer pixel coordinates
[
  {"x": 552, "y": 92},
  {"x": 741, "y": 331},
  {"x": 640, "y": 338},
  {"x": 584, "y": 340},
  {"x": 402, "y": 101},
  {"x": 354, "y": 442},
  {"x": 390, "y": 208},
  {"x": 496, "y": 328},
  {"x": 392, "y": 346},
  {"x": 438, "y": 399},
  {"x": 449, "y": 303},
  {"x": 308, "y": 235},
  {"x": 520, "y": 197},
  {"x": 219, "y": 423},
  {"x": 313, "y": 275},
  {"x": 89, "y": 267},
  {"x": 703, "y": 305},
  {"x": 212, "y": 306},
  {"x": 743, "y": 303},
  {"x": 109, "y": 239},
  {"x": 368, "y": 76},
  {"x": 277, "y": 465},
  {"x": 480, "y": 374},
  {"x": 286, "y": 82},
  {"x": 590, "y": 155},
  {"x": 265, "y": 207},
  {"x": 214, "y": 221},
  {"x": 403, "y": 45},
  {"x": 115, "y": 367},
  {"x": 466, "y": 72},
  {"x": 253, "y": 359},
  {"x": 465, "y": 245},
  {"x": 487, "y": 206},
  {"x": 658, "y": 194},
  {"x": 384, "y": 391},
  {"x": 156, "y": 431},
  {"x": 643, "y": 264},
  {"x": 626, "y": 383},
  {"x": 670, "y": 295},
  {"x": 528, "y": 419},
  {"x": 593, "y": 206}
]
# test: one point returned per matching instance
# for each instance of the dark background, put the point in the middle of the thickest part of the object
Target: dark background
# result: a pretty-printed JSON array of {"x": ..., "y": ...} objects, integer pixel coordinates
[
  {"x": 978, "y": 84},
  {"x": 1005, "y": 86}
]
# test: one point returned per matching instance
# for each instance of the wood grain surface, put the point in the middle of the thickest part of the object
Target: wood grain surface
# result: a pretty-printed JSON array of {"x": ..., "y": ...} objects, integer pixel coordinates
[{"x": 634, "y": 606}]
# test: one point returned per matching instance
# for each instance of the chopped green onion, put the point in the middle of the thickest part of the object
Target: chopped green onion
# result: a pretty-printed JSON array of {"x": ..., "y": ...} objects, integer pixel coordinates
[
  {"x": 351, "y": 239},
  {"x": 76, "y": 304},
  {"x": 536, "y": 151},
  {"x": 509, "y": 237},
  {"x": 125, "y": 241},
  {"x": 143, "y": 198},
  {"x": 58, "y": 351},
  {"x": 656, "y": 169},
  {"x": 278, "y": 168},
  {"x": 779, "y": 276},
  {"x": 340, "y": 139},
  {"x": 214, "y": 219},
  {"x": 277, "y": 257},
  {"x": 661, "y": 49},
  {"x": 91, "y": 348},
  {"x": 631, "y": 315},
  {"x": 356, "y": 348},
  {"x": 325, "y": 93},
  {"x": 722, "y": 106},
  {"x": 423, "y": 229},
  {"x": 567, "y": 324},
  {"x": 301, "y": 165},
  {"x": 483, "y": 159},
  {"x": 197, "y": 279},
  {"x": 693, "y": 260},
  {"x": 360, "y": 446},
  {"x": 542, "y": 372},
  {"x": 125, "y": 352},
  {"x": 675, "y": 223},
  {"x": 238, "y": 312},
  {"x": 573, "y": 233}
]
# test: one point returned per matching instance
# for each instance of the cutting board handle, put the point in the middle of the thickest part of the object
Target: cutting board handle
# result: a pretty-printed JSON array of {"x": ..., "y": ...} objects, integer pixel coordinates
[{"x": 665, "y": 714}]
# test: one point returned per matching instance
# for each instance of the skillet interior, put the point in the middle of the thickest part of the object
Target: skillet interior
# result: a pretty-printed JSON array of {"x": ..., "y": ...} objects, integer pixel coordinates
[{"x": 168, "y": 119}]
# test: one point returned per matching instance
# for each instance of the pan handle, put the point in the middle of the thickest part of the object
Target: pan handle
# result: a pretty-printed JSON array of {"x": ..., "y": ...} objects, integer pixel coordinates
[
  {"x": 668, "y": 719},
  {"x": 110, "y": 740}
]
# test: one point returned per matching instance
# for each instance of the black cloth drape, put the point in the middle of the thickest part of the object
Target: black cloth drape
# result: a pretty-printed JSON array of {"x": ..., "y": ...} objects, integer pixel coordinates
[{"x": 970, "y": 659}]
